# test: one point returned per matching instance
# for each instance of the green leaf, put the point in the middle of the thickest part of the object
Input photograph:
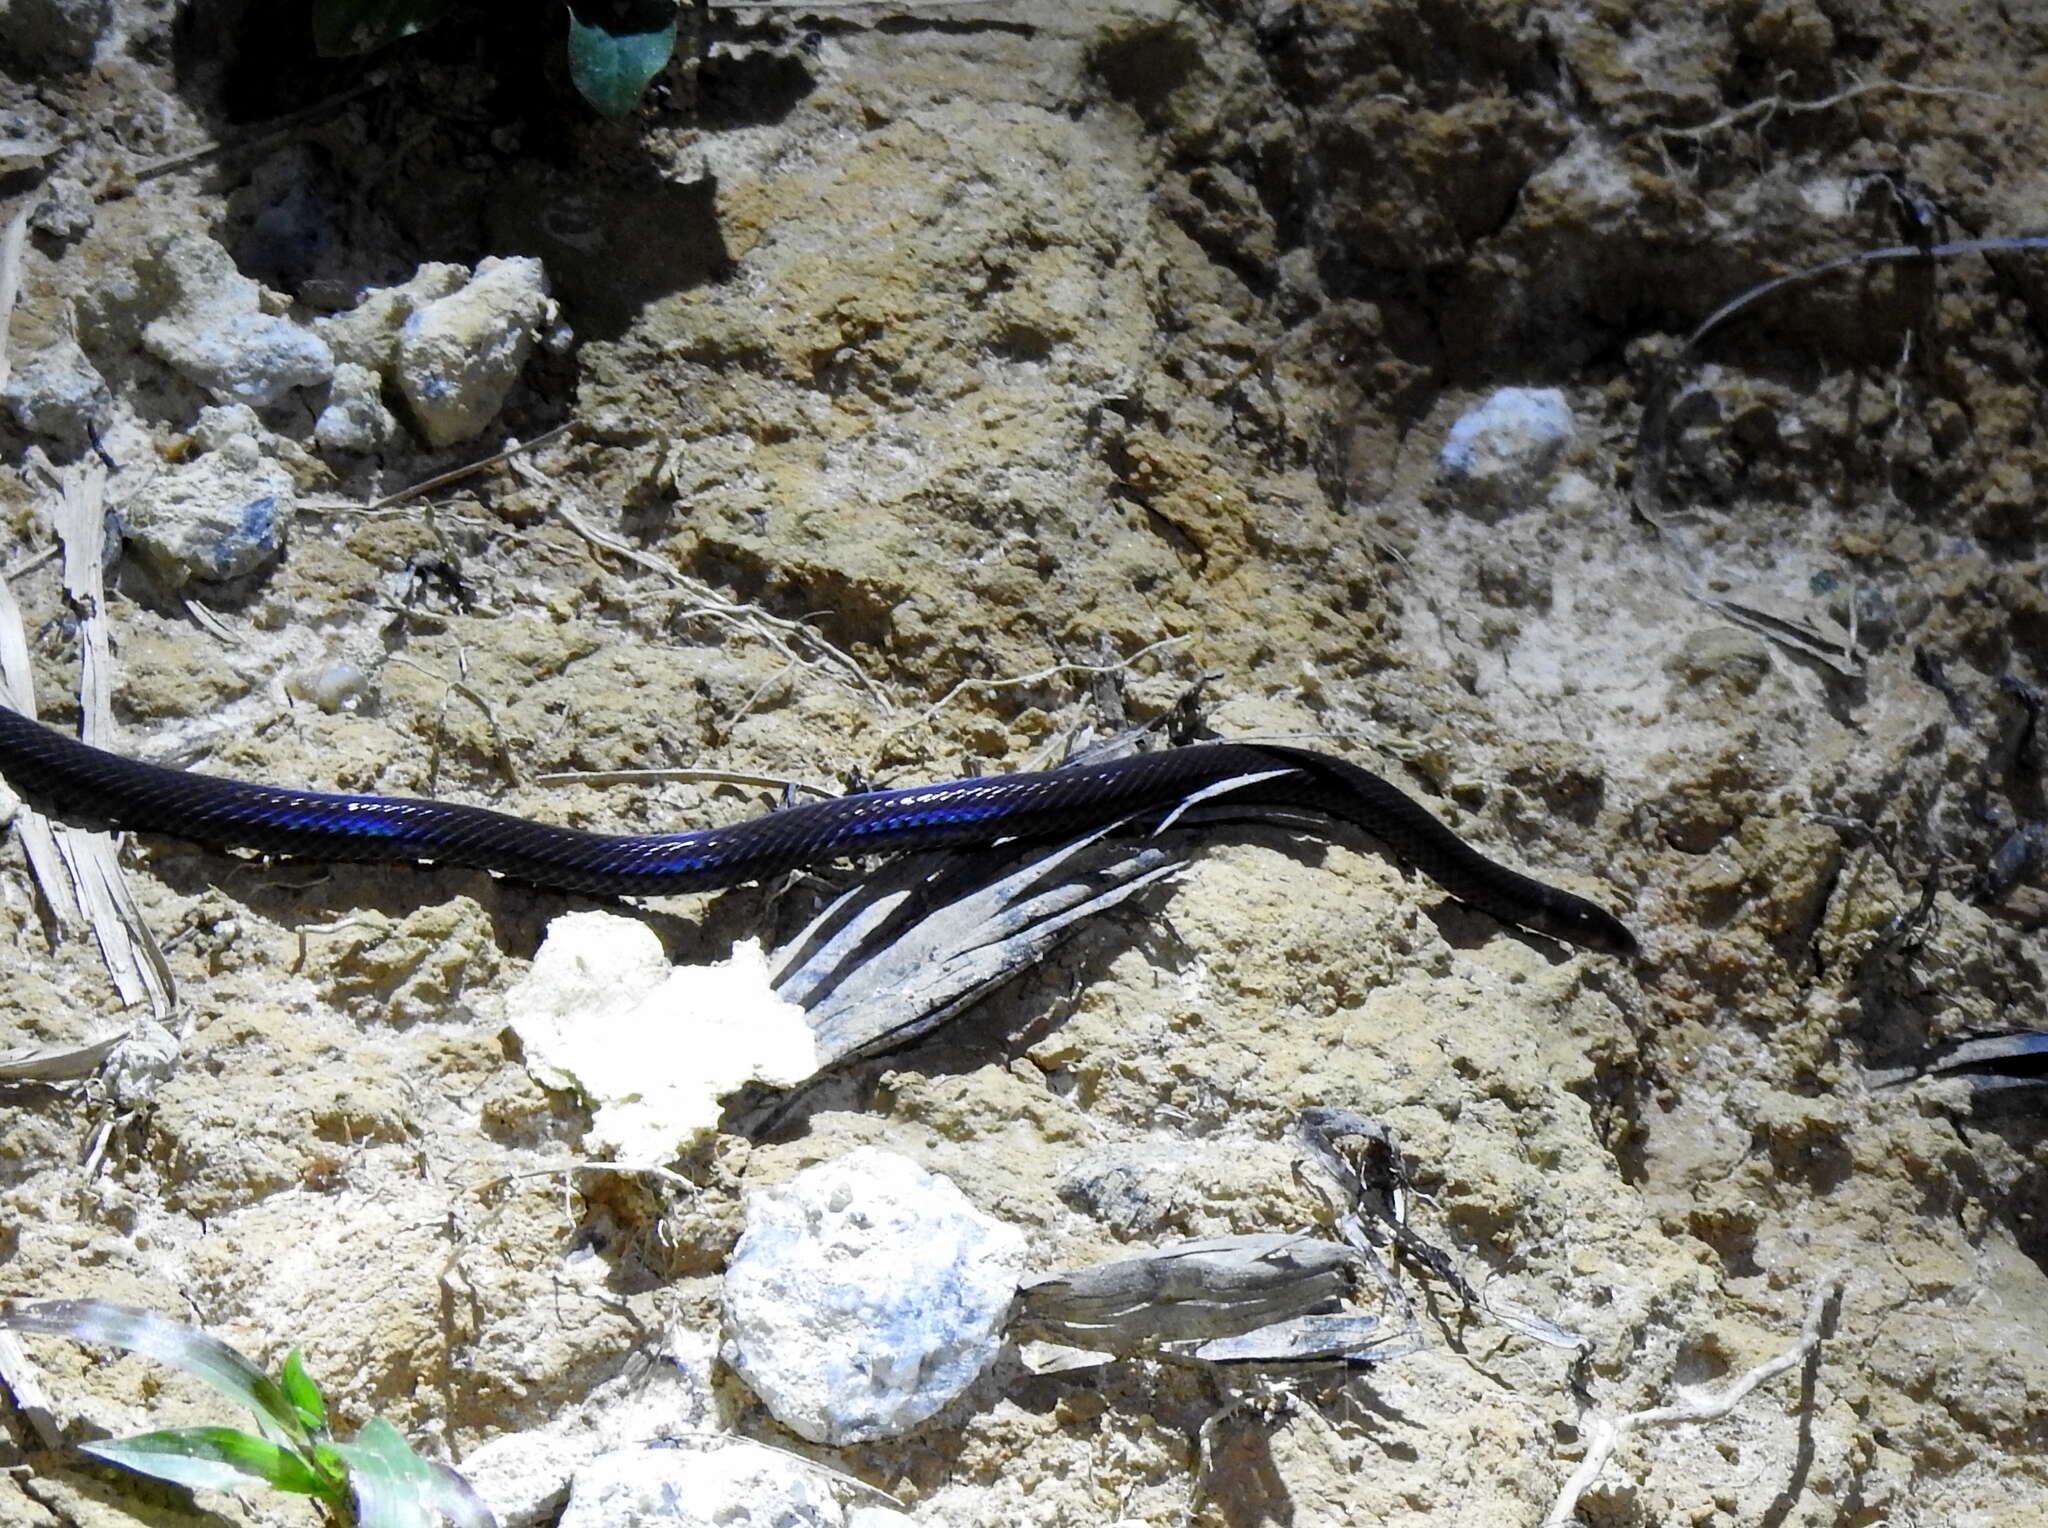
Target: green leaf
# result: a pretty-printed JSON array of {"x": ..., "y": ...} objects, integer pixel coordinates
[
  {"x": 168, "y": 1342},
  {"x": 395, "y": 1488},
  {"x": 303, "y": 1394},
  {"x": 363, "y": 26},
  {"x": 611, "y": 69},
  {"x": 214, "y": 1458}
]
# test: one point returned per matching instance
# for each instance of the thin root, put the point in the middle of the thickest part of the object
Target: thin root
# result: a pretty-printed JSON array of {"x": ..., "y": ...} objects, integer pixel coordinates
[{"x": 1604, "y": 1434}]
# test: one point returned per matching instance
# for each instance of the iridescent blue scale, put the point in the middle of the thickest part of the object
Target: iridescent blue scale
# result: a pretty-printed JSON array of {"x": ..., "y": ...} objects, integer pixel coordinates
[{"x": 1133, "y": 790}]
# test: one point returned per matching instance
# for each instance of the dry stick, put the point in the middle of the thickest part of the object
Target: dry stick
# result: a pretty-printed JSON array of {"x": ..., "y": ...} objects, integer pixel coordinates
[
  {"x": 1653, "y": 444},
  {"x": 277, "y": 130},
  {"x": 1891, "y": 252},
  {"x": 1052, "y": 671},
  {"x": 132, "y": 955},
  {"x": 438, "y": 480},
  {"x": 1607, "y": 1432},
  {"x": 470, "y": 469},
  {"x": 682, "y": 777},
  {"x": 773, "y": 629}
]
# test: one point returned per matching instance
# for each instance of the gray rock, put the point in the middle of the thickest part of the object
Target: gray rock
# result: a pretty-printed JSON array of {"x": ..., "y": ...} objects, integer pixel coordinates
[
  {"x": 219, "y": 517},
  {"x": 738, "y": 1485},
  {"x": 213, "y": 329},
  {"x": 53, "y": 36},
  {"x": 1498, "y": 457},
  {"x": 865, "y": 1295},
  {"x": 355, "y": 419},
  {"x": 459, "y": 356},
  {"x": 367, "y": 334},
  {"x": 65, "y": 210},
  {"x": 57, "y": 393}
]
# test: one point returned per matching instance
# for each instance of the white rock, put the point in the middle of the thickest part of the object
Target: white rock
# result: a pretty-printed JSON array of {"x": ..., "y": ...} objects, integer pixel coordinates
[
  {"x": 213, "y": 330},
  {"x": 231, "y": 427},
  {"x": 654, "y": 1048},
  {"x": 865, "y": 1295},
  {"x": 355, "y": 418},
  {"x": 218, "y": 517},
  {"x": 737, "y": 1485},
  {"x": 1499, "y": 455},
  {"x": 877, "y": 1517},
  {"x": 524, "y": 1477},
  {"x": 459, "y": 356},
  {"x": 65, "y": 210},
  {"x": 57, "y": 392},
  {"x": 367, "y": 334}
]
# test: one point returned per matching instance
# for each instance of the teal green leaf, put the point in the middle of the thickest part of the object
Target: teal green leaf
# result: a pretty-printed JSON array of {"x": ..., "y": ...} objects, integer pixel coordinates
[
  {"x": 168, "y": 1342},
  {"x": 363, "y": 26},
  {"x": 395, "y": 1488},
  {"x": 212, "y": 1458},
  {"x": 612, "y": 69},
  {"x": 303, "y": 1394}
]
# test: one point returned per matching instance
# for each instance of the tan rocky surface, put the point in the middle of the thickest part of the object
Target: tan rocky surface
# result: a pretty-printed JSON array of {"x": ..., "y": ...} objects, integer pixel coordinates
[{"x": 1020, "y": 338}]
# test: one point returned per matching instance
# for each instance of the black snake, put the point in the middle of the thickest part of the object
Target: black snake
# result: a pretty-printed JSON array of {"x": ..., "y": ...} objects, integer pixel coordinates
[{"x": 74, "y": 780}]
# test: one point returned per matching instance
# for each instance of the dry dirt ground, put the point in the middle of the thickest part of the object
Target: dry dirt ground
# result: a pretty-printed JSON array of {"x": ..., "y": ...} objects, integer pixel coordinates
[{"x": 1031, "y": 338}]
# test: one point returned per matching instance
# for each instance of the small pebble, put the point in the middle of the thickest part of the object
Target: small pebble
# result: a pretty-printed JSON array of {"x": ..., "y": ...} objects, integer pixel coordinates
[
  {"x": 355, "y": 419},
  {"x": 1498, "y": 457},
  {"x": 65, "y": 210},
  {"x": 334, "y": 687}
]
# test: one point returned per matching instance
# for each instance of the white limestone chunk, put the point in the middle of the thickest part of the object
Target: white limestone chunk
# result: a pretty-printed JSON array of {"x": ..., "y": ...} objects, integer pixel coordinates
[
  {"x": 459, "y": 356},
  {"x": 213, "y": 328},
  {"x": 218, "y": 517},
  {"x": 355, "y": 418},
  {"x": 57, "y": 392},
  {"x": 655, "y": 1048},
  {"x": 865, "y": 1295},
  {"x": 367, "y": 334}
]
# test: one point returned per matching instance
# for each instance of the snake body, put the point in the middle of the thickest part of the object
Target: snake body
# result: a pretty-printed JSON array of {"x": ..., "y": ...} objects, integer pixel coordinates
[{"x": 76, "y": 781}]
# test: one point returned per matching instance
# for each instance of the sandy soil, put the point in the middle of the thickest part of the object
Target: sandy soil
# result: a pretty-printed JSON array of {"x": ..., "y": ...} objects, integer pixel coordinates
[{"x": 1020, "y": 338}]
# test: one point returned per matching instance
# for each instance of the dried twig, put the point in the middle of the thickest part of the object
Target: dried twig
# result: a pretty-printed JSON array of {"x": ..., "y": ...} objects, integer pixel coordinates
[
  {"x": 517, "y": 449},
  {"x": 1052, "y": 671},
  {"x": 133, "y": 959},
  {"x": 681, "y": 777},
  {"x": 277, "y": 131},
  {"x": 13, "y": 232},
  {"x": 1771, "y": 105},
  {"x": 777, "y": 632},
  {"x": 1605, "y": 1433}
]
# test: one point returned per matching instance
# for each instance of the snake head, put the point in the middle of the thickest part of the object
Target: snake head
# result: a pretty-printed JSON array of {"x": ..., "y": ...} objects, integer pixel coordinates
[{"x": 1577, "y": 921}]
